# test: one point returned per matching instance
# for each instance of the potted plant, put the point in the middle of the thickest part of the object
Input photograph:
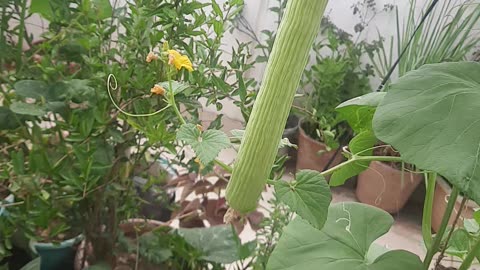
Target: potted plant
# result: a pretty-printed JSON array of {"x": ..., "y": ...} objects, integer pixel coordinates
[
  {"x": 387, "y": 185},
  {"x": 333, "y": 78},
  {"x": 443, "y": 191}
]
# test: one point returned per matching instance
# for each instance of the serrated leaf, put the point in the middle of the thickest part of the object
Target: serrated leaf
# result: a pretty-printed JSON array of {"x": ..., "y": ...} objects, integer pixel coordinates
[
  {"x": 27, "y": 109},
  {"x": 430, "y": 116},
  {"x": 217, "y": 243},
  {"x": 207, "y": 145},
  {"x": 31, "y": 88},
  {"x": 308, "y": 195},
  {"x": 459, "y": 243},
  {"x": 471, "y": 226},
  {"x": 360, "y": 145},
  {"x": 344, "y": 243}
]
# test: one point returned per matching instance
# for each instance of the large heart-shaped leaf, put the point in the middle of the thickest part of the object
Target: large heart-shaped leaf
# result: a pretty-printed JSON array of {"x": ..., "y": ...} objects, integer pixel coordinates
[
  {"x": 308, "y": 195},
  {"x": 344, "y": 243},
  {"x": 8, "y": 120},
  {"x": 207, "y": 145},
  {"x": 217, "y": 244},
  {"x": 431, "y": 116}
]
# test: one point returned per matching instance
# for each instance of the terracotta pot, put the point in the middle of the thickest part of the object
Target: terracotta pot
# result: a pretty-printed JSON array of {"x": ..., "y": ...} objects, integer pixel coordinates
[
  {"x": 381, "y": 186},
  {"x": 442, "y": 193},
  {"x": 131, "y": 228},
  {"x": 308, "y": 156}
]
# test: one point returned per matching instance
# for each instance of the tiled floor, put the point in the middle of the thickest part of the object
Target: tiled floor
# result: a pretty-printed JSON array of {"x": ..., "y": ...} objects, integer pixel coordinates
[{"x": 405, "y": 233}]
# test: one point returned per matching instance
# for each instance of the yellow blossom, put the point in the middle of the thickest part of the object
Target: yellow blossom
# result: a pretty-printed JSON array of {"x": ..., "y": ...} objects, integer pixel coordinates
[
  {"x": 151, "y": 56},
  {"x": 158, "y": 90},
  {"x": 179, "y": 61},
  {"x": 200, "y": 128},
  {"x": 197, "y": 160}
]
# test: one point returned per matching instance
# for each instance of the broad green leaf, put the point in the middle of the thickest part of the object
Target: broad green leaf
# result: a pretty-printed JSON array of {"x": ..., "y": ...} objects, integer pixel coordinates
[
  {"x": 207, "y": 145},
  {"x": 342, "y": 244},
  {"x": 177, "y": 87},
  {"x": 358, "y": 112},
  {"x": 42, "y": 7},
  {"x": 103, "y": 9},
  {"x": 471, "y": 226},
  {"x": 308, "y": 195},
  {"x": 27, "y": 109},
  {"x": 476, "y": 216},
  {"x": 8, "y": 120},
  {"x": 31, "y": 88},
  {"x": 459, "y": 243},
  {"x": 430, "y": 116},
  {"x": 217, "y": 243},
  {"x": 361, "y": 145}
]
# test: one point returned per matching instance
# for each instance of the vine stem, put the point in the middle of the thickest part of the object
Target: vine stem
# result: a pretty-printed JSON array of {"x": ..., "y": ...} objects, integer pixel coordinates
[
  {"x": 443, "y": 226},
  {"x": 427, "y": 209},
  {"x": 444, "y": 247},
  {"x": 469, "y": 259},
  {"x": 361, "y": 158}
]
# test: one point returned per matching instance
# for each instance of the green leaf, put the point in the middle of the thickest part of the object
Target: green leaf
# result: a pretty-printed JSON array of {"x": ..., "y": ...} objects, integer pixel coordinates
[
  {"x": 8, "y": 120},
  {"x": 102, "y": 8},
  {"x": 177, "y": 87},
  {"x": 216, "y": 9},
  {"x": 476, "y": 216},
  {"x": 471, "y": 226},
  {"x": 359, "y": 111},
  {"x": 344, "y": 243},
  {"x": 430, "y": 116},
  {"x": 217, "y": 243},
  {"x": 207, "y": 145},
  {"x": 27, "y": 109},
  {"x": 459, "y": 243},
  {"x": 31, "y": 88},
  {"x": 308, "y": 195},
  {"x": 361, "y": 145},
  {"x": 43, "y": 8},
  {"x": 99, "y": 266}
]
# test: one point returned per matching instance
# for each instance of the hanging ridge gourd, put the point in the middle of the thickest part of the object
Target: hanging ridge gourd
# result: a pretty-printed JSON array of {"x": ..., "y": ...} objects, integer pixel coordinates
[{"x": 290, "y": 53}]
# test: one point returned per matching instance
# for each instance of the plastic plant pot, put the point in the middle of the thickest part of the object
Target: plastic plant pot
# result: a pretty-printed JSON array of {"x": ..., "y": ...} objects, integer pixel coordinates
[{"x": 55, "y": 256}]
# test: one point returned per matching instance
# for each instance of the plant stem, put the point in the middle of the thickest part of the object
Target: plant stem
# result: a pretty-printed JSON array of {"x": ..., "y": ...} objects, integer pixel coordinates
[
  {"x": 445, "y": 245},
  {"x": 173, "y": 104},
  {"x": 21, "y": 35},
  {"x": 361, "y": 158},
  {"x": 438, "y": 238},
  {"x": 224, "y": 166},
  {"x": 471, "y": 255},
  {"x": 427, "y": 209}
]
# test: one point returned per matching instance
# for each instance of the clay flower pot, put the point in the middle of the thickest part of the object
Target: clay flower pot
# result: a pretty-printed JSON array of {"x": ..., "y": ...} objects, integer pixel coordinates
[
  {"x": 308, "y": 156},
  {"x": 440, "y": 199},
  {"x": 381, "y": 186}
]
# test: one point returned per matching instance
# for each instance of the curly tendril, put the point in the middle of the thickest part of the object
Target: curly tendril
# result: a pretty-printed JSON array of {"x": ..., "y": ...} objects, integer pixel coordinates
[{"x": 113, "y": 85}]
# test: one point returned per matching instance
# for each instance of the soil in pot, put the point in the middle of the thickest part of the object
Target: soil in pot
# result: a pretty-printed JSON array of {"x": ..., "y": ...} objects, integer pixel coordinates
[
  {"x": 386, "y": 186},
  {"x": 313, "y": 154},
  {"x": 440, "y": 199}
]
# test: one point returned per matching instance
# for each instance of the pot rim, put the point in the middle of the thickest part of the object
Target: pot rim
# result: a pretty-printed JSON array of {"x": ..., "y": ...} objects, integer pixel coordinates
[
  {"x": 51, "y": 246},
  {"x": 304, "y": 134},
  {"x": 443, "y": 184},
  {"x": 9, "y": 199}
]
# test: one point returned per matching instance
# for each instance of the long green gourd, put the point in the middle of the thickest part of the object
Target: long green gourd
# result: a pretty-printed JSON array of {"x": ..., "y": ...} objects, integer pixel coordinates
[{"x": 297, "y": 31}]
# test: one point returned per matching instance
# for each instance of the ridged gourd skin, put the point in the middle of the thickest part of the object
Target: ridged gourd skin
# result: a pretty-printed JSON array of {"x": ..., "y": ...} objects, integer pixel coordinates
[{"x": 297, "y": 31}]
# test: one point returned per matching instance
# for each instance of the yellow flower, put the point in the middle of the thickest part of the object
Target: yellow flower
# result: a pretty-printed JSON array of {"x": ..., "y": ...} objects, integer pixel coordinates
[
  {"x": 157, "y": 90},
  {"x": 179, "y": 61},
  {"x": 200, "y": 128},
  {"x": 151, "y": 56},
  {"x": 197, "y": 160}
]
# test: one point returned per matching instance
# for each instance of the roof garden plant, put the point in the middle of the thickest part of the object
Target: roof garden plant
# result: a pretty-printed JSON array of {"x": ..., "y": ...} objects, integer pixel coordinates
[{"x": 65, "y": 136}]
